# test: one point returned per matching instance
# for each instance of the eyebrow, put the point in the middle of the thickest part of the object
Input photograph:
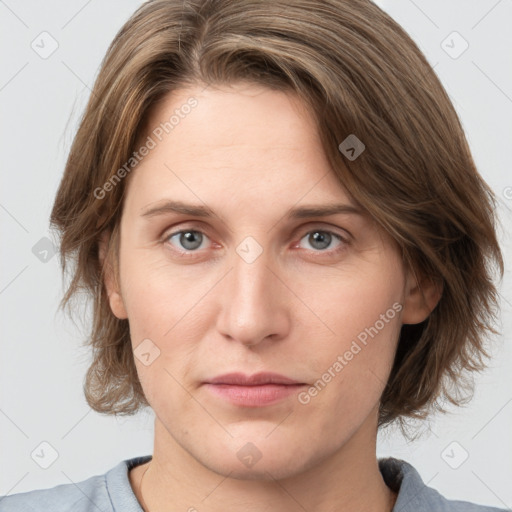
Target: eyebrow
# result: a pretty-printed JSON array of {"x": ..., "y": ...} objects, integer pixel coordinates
[{"x": 322, "y": 210}]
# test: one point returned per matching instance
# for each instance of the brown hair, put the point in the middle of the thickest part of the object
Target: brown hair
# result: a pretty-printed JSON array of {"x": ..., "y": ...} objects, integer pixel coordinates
[{"x": 359, "y": 73}]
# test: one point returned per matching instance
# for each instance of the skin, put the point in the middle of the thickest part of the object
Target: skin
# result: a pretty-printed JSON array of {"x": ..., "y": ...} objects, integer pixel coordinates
[{"x": 251, "y": 154}]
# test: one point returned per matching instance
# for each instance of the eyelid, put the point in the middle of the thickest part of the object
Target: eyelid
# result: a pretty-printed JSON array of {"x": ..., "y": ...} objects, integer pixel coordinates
[
  {"x": 307, "y": 228},
  {"x": 344, "y": 239},
  {"x": 343, "y": 234},
  {"x": 311, "y": 225},
  {"x": 169, "y": 234},
  {"x": 178, "y": 227}
]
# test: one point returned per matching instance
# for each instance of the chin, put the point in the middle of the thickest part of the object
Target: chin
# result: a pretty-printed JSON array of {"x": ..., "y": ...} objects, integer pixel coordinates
[
  {"x": 262, "y": 470},
  {"x": 258, "y": 459}
]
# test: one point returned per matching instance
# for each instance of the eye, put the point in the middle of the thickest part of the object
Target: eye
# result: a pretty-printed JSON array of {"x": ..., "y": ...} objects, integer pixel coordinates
[
  {"x": 187, "y": 240},
  {"x": 321, "y": 239},
  {"x": 191, "y": 240}
]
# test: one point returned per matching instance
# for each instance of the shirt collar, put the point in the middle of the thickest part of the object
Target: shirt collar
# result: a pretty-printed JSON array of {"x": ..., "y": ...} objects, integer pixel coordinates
[{"x": 413, "y": 494}]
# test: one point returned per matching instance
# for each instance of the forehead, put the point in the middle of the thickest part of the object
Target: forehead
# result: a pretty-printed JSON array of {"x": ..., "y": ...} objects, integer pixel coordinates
[{"x": 242, "y": 140}]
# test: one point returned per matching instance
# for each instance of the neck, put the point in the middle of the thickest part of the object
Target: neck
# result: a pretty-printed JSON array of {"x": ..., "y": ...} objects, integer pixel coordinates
[{"x": 347, "y": 480}]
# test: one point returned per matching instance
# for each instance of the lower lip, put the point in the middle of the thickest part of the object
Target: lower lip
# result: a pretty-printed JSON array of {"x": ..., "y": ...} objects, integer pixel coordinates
[{"x": 254, "y": 396}]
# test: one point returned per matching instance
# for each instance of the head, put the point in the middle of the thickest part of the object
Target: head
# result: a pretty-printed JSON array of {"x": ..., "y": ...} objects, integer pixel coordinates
[{"x": 190, "y": 207}]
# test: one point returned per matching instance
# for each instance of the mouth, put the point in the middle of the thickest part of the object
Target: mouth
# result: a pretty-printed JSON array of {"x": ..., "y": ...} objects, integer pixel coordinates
[{"x": 256, "y": 390}]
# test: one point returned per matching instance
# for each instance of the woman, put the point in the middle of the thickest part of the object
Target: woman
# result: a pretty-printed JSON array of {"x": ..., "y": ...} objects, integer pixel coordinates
[{"x": 275, "y": 210}]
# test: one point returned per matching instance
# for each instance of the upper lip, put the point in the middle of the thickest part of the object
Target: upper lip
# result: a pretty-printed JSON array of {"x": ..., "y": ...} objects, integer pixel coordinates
[{"x": 240, "y": 379}]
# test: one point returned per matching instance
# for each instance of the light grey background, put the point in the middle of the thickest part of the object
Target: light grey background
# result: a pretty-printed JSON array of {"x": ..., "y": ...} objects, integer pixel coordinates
[{"x": 41, "y": 363}]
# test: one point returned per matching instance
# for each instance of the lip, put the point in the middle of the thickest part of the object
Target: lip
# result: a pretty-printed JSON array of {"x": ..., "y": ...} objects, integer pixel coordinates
[
  {"x": 257, "y": 390},
  {"x": 240, "y": 379}
]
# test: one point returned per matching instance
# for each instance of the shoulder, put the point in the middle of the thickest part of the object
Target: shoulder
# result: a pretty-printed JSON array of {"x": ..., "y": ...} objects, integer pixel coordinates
[
  {"x": 79, "y": 497},
  {"x": 415, "y": 496},
  {"x": 110, "y": 492}
]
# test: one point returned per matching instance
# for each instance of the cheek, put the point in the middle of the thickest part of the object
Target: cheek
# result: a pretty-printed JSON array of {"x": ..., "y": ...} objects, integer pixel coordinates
[
  {"x": 353, "y": 297},
  {"x": 351, "y": 374},
  {"x": 362, "y": 310},
  {"x": 157, "y": 294},
  {"x": 171, "y": 315},
  {"x": 168, "y": 316}
]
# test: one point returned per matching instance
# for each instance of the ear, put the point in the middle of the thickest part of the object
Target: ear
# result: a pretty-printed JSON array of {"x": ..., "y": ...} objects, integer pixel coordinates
[
  {"x": 110, "y": 276},
  {"x": 421, "y": 297}
]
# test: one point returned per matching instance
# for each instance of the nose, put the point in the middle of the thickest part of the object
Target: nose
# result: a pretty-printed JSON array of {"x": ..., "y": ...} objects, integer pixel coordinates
[{"x": 255, "y": 304}]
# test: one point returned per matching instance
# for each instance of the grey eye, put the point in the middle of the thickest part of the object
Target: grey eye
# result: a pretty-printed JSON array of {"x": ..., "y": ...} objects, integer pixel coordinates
[
  {"x": 188, "y": 240},
  {"x": 320, "y": 240}
]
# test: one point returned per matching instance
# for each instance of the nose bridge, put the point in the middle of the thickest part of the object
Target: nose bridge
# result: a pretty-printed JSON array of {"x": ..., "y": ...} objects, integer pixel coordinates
[
  {"x": 250, "y": 280},
  {"x": 252, "y": 310}
]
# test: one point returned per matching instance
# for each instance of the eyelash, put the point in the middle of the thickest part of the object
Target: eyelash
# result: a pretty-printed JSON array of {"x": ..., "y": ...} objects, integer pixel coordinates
[{"x": 193, "y": 253}]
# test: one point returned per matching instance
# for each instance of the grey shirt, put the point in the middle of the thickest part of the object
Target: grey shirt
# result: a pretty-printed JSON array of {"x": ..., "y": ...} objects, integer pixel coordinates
[{"x": 112, "y": 492}]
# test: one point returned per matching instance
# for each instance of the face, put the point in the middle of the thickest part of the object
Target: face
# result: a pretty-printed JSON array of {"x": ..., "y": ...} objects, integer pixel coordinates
[{"x": 228, "y": 264}]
